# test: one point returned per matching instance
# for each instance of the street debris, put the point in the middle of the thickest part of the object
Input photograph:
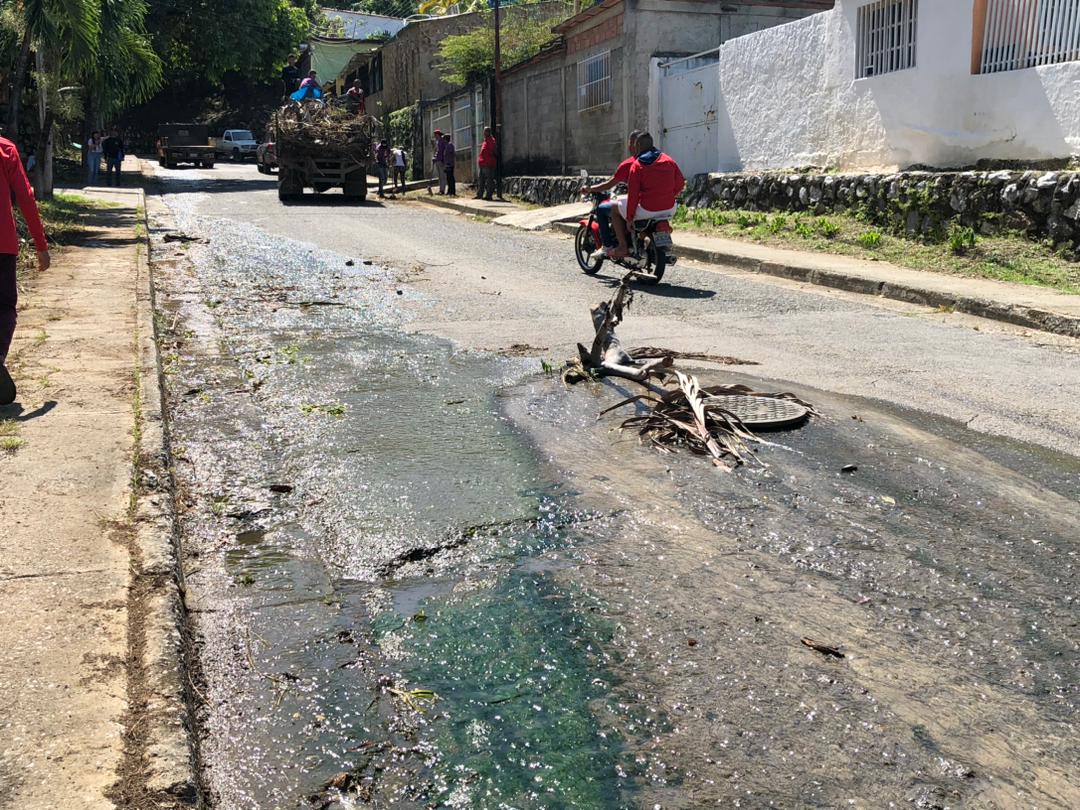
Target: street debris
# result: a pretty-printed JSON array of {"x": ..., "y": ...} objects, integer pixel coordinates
[
  {"x": 176, "y": 236},
  {"x": 680, "y": 411},
  {"x": 849, "y": 468},
  {"x": 824, "y": 649}
]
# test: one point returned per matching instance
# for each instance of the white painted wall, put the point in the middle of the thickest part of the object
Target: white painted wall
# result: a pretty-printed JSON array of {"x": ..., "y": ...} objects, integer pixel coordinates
[{"x": 789, "y": 99}]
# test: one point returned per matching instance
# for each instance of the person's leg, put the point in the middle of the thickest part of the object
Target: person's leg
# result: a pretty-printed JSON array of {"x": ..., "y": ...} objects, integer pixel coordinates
[
  {"x": 603, "y": 219},
  {"x": 380, "y": 172},
  {"x": 9, "y": 303},
  {"x": 479, "y": 183},
  {"x": 489, "y": 185},
  {"x": 440, "y": 173},
  {"x": 451, "y": 182},
  {"x": 618, "y": 223}
]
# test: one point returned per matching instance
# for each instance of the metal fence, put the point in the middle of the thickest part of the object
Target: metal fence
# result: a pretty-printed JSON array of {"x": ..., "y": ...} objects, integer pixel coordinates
[
  {"x": 886, "y": 37},
  {"x": 1020, "y": 34}
]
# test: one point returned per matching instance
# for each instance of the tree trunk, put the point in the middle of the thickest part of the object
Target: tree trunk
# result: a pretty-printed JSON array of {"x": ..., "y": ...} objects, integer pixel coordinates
[
  {"x": 43, "y": 176},
  {"x": 18, "y": 82}
]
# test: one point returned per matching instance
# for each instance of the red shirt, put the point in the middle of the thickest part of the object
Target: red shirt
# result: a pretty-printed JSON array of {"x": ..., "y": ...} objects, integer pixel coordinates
[
  {"x": 622, "y": 174},
  {"x": 487, "y": 157},
  {"x": 13, "y": 182},
  {"x": 654, "y": 184}
]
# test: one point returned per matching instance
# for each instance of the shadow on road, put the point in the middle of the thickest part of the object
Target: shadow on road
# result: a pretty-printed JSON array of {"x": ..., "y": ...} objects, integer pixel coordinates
[
  {"x": 661, "y": 290},
  {"x": 17, "y": 413}
]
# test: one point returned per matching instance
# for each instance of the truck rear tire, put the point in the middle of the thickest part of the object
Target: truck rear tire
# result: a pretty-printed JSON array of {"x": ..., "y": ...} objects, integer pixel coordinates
[
  {"x": 355, "y": 190},
  {"x": 290, "y": 186}
]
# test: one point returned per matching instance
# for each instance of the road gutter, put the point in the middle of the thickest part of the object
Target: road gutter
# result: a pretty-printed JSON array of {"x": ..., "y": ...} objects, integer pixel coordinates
[{"x": 159, "y": 768}]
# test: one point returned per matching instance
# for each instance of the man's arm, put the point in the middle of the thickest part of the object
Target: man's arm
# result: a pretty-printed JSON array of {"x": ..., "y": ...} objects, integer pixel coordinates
[
  {"x": 633, "y": 193},
  {"x": 607, "y": 185},
  {"x": 24, "y": 196},
  {"x": 680, "y": 181}
]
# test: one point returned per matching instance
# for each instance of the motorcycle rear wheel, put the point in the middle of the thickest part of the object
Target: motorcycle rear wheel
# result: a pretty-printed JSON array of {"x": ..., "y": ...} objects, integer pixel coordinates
[
  {"x": 655, "y": 263},
  {"x": 584, "y": 246}
]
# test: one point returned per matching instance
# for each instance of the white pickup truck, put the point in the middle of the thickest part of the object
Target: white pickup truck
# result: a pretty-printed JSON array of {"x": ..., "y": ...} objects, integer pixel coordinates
[{"x": 237, "y": 144}]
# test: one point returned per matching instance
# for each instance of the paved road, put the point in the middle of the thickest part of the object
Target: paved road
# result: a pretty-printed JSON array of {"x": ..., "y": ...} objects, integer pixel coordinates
[
  {"x": 945, "y": 567},
  {"x": 498, "y": 287}
]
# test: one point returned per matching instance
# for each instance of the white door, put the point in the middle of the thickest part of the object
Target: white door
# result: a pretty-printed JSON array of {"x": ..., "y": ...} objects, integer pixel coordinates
[{"x": 689, "y": 100}]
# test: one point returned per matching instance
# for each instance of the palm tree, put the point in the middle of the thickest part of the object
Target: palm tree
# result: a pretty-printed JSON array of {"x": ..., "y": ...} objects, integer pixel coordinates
[{"x": 67, "y": 28}]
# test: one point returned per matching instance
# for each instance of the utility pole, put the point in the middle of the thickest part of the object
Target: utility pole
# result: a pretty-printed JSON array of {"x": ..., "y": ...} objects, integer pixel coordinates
[{"x": 496, "y": 103}]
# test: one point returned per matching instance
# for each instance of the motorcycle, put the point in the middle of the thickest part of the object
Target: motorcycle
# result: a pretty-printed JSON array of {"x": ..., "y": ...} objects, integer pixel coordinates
[{"x": 650, "y": 245}]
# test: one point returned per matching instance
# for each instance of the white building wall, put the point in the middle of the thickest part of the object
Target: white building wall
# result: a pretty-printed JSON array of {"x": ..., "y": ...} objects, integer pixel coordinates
[{"x": 790, "y": 99}]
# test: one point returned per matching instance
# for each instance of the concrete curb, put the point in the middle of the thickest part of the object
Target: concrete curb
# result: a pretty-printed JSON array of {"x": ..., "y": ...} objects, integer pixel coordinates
[
  {"x": 1016, "y": 314},
  {"x": 169, "y": 747},
  {"x": 466, "y": 207}
]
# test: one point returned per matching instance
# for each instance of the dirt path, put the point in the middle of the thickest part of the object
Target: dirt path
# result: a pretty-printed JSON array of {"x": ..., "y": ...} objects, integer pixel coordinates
[{"x": 65, "y": 521}]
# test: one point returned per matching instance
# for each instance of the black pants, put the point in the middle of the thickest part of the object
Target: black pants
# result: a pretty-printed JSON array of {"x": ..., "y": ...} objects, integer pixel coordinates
[
  {"x": 9, "y": 301},
  {"x": 451, "y": 183}
]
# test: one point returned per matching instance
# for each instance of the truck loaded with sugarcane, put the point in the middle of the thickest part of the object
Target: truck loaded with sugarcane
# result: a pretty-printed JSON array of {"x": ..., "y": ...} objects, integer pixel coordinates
[{"x": 321, "y": 146}]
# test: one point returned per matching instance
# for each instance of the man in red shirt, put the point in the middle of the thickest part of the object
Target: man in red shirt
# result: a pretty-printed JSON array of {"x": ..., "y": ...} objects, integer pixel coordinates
[
  {"x": 604, "y": 210},
  {"x": 487, "y": 161},
  {"x": 654, "y": 185},
  {"x": 13, "y": 184}
]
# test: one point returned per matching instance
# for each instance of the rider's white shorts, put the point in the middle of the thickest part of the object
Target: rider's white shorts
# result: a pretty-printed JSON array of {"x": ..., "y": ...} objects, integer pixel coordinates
[{"x": 645, "y": 213}]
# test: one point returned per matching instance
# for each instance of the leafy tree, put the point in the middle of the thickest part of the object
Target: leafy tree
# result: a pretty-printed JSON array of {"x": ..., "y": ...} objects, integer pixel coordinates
[
  {"x": 470, "y": 57},
  {"x": 204, "y": 41}
]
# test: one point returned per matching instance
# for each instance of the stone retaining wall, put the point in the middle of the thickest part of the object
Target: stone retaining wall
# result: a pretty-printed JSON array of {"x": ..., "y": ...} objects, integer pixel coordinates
[
  {"x": 547, "y": 190},
  {"x": 1041, "y": 204}
]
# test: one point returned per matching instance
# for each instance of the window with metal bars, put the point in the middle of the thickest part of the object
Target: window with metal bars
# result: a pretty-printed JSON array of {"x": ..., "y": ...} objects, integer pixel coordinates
[
  {"x": 1018, "y": 34},
  {"x": 594, "y": 82},
  {"x": 886, "y": 37}
]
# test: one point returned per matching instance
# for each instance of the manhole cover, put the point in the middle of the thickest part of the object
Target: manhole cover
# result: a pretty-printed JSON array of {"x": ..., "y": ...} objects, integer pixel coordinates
[{"x": 762, "y": 412}]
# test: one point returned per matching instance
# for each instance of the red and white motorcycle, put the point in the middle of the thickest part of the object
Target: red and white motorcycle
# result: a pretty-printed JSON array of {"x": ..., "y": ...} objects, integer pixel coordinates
[{"x": 650, "y": 244}]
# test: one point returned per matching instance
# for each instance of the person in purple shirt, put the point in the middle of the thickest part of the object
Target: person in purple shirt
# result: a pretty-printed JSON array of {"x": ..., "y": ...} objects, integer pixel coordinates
[
  {"x": 382, "y": 165},
  {"x": 449, "y": 153},
  {"x": 437, "y": 161}
]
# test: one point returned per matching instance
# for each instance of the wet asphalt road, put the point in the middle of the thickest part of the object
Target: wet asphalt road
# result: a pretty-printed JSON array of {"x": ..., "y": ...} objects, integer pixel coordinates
[{"x": 946, "y": 568}]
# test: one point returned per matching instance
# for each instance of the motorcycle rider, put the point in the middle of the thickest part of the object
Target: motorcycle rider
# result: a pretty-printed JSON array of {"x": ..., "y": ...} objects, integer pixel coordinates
[
  {"x": 613, "y": 244},
  {"x": 654, "y": 185}
]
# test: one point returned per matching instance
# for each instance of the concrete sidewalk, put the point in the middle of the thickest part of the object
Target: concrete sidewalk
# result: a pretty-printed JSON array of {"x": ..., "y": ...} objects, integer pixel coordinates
[
  {"x": 83, "y": 643},
  {"x": 1020, "y": 304}
]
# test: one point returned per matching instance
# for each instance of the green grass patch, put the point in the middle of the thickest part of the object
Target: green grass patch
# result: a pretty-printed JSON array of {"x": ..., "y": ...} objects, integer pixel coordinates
[
  {"x": 959, "y": 252},
  {"x": 10, "y": 441}
]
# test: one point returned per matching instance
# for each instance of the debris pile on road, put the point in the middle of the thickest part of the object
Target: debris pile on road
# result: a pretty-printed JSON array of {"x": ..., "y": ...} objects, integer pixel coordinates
[
  {"x": 324, "y": 130},
  {"x": 681, "y": 412}
]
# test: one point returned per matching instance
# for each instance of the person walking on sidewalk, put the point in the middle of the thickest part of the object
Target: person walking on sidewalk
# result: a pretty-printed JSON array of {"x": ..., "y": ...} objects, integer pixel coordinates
[
  {"x": 382, "y": 165},
  {"x": 488, "y": 161},
  {"x": 401, "y": 161},
  {"x": 449, "y": 153},
  {"x": 14, "y": 185},
  {"x": 93, "y": 158},
  {"x": 438, "y": 163},
  {"x": 113, "y": 149}
]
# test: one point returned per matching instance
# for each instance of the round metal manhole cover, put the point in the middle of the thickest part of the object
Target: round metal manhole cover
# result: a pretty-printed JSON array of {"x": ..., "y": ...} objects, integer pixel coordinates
[{"x": 762, "y": 412}]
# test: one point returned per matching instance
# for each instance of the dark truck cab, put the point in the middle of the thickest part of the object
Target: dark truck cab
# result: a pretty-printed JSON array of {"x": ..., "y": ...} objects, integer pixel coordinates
[{"x": 184, "y": 143}]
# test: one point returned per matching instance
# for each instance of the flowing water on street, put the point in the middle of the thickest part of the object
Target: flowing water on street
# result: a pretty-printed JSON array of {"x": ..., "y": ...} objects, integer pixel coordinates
[{"x": 372, "y": 518}]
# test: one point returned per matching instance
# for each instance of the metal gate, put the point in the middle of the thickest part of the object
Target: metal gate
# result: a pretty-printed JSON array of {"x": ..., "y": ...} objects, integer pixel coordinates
[{"x": 689, "y": 101}]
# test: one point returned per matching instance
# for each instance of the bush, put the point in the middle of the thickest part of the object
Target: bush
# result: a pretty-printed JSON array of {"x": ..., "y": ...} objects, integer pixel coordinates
[
  {"x": 777, "y": 224},
  {"x": 827, "y": 228},
  {"x": 870, "y": 239},
  {"x": 961, "y": 239}
]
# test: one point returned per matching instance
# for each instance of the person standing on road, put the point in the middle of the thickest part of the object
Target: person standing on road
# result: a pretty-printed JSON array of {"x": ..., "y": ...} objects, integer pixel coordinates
[
  {"x": 437, "y": 161},
  {"x": 449, "y": 154},
  {"x": 113, "y": 149},
  {"x": 401, "y": 161},
  {"x": 382, "y": 164},
  {"x": 14, "y": 184},
  {"x": 93, "y": 158},
  {"x": 488, "y": 161}
]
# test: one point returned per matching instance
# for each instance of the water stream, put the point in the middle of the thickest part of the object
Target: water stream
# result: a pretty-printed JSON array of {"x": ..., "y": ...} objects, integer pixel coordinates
[{"x": 370, "y": 516}]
